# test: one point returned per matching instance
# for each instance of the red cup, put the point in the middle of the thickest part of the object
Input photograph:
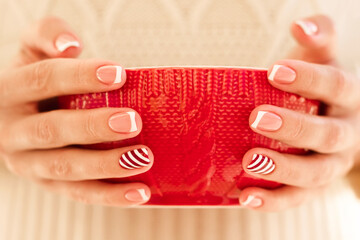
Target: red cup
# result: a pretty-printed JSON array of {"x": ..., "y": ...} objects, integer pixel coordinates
[{"x": 195, "y": 121}]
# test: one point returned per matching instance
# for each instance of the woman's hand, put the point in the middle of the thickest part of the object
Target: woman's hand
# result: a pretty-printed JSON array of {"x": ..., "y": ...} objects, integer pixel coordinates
[
  {"x": 37, "y": 144},
  {"x": 334, "y": 138}
]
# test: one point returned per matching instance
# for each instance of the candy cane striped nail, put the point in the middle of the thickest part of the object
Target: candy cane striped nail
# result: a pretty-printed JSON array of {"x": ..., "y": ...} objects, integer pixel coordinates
[
  {"x": 261, "y": 164},
  {"x": 136, "y": 158}
]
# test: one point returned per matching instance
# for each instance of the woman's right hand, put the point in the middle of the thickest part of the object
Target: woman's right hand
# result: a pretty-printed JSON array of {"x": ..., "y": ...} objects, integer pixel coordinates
[{"x": 38, "y": 145}]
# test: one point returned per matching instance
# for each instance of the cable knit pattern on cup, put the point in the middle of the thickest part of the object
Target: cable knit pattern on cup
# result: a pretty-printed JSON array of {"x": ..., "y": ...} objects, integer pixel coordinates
[{"x": 176, "y": 32}]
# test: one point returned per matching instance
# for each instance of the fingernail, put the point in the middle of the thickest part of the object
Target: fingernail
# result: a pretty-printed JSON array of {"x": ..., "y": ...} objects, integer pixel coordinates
[
  {"x": 136, "y": 158},
  {"x": 109, "y": 74},
  {"x": 267, "y": 121},
  {"x": 282, "y": 74},
  {"x": 252, "y": 201},
  {"x": 137, "y": 195},
  {"x": 124, "y": 122},
  {"x": 261, "y": 164},
  {"x": 308, "y": 27},
  {"x": 65, "y": 41}
]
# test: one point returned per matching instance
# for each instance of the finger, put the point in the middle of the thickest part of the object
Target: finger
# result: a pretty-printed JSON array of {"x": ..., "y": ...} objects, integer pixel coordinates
[
  {"x": 73, "y": 164},
  {"x": 48, "y": 38},
  {"x": 316, "y": 38},
  {"x": 56, "y": 77},
  {"x": 309, "y": 171},
  {"x": 326, "y": 83},
  {"x": 66, "y": 127},
  {"x": 275, "y": 200},
  {"x": 102, "y": 193},
  {"x": 318, "y": 133}
]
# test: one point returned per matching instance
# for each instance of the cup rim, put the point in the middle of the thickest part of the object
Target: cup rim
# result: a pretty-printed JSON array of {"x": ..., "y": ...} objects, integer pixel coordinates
[{"x": 199, "y": 66}]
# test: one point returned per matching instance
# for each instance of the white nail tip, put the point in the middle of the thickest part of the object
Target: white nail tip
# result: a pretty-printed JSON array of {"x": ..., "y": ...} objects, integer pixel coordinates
[
  {"x": 143, "y": 194},
  {"x": 132, "y": 121},
  {"x": 65, "y": 45},
  {"x": 309, "y": 28},
  {"x": 258, "y": 119},
  {"x": 118, "y": 74},
  {"x": 273, "y": 72},
  {"x": 248, "y": 200},
  {"x": 261, "y": 164}
]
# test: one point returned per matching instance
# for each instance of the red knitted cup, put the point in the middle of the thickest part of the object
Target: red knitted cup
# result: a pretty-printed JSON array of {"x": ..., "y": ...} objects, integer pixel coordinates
[{"x": 195, "y": 120}]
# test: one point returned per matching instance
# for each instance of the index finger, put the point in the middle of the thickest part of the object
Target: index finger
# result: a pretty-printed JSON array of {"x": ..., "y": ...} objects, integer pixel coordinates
[
  {"x": 56, "y": 77},
  {"x": 315, "y": 81}
]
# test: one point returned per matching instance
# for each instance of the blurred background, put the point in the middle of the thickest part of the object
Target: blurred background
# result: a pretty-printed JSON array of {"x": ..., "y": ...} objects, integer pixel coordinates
[{"x": 179, "y": 32}]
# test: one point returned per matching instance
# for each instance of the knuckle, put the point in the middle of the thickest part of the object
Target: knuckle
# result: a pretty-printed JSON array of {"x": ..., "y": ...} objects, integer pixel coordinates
[
  {"x": 309, "y": 80},
  {"x": 333, "y": 135},
  {"x": 104, "y": 168},
  {"x": 76, "y": 194},
  {"x": 110, "y": 199},
  {"x": 90, "y": 126},
  {"x": 45, "y": 132},
  {"x": 321, "y": 175},
  {"x": 80, "y": 74},
  {"x": 41, "y": 73},
  {"x": 60, "y": 167},
  {"x": 299, "y": 128},
  {"x": 339, "y": 84}
]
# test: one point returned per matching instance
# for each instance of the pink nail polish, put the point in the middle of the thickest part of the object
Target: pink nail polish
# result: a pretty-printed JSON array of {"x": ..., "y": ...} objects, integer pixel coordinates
[
  {"x": 308, "y": 27},
  {"x": 137, "y": 195},
  {"x": 252, "y": 201},
  {"x": 109, "y": 74},
  {"x": 124, "y": 122},
  {"x": 65, "y": 41},
  {"x": 267, "y": 121},
  {"x": 282, "y": 74},
  {"x": 136, "y": 158},
  {"x": 261, "y": 164}
]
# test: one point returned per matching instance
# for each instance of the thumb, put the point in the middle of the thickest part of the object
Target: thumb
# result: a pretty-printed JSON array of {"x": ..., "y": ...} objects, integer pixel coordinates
[
  {"x": 48, "y": 38},
  {"x": 316, "y": 38}
]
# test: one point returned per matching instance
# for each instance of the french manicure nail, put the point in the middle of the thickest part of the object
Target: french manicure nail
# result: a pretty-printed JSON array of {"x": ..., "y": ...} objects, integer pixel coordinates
[
  {"x": 137, "y": 195},
  {"x": 65, "y": 41},
  {"x": 124, "y": 122},
  {"x": 261, "y": 164},
  {"x": 136, "y": 158},
  {"x": 267, "y": 121},
  {"x": 308, "y": 27},
  {"x": 252, "y": 201},
  {"x": 109, "y": 74},
  {"x": 282, "y": 74}
]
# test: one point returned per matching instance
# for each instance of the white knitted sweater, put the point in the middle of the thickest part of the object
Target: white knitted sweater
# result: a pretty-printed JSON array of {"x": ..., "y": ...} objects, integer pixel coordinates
[{"x": 177, "y": 32}]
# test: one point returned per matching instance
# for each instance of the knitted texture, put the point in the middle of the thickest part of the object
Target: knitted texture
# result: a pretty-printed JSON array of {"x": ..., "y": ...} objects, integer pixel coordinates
[{"x": 195, "y": 120}]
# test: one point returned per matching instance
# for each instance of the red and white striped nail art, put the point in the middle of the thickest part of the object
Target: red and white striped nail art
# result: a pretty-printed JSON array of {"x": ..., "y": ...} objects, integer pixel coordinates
[
  {"x": 135, "y": 158},
  {"x": 261, "y": 164}
]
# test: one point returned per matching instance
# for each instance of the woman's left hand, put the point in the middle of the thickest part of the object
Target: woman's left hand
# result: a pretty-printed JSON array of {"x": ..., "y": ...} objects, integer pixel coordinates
[{"x": 333, "y": 138}]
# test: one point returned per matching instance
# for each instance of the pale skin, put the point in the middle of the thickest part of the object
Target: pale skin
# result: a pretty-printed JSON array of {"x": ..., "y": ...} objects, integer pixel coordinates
[
  {"x": 35, "y": 144},
  {"x": 334, "y": 138}
]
